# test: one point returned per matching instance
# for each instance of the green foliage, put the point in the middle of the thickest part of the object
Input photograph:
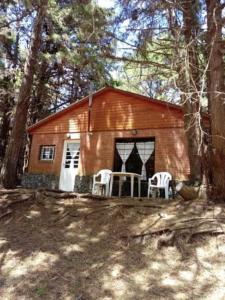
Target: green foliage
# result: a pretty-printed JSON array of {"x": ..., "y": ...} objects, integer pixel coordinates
[
  {"x": 74, "y": 41},
  {"x": 156, "y": 55},
  {"x": 72, "y": 58},
  {"x": 40, "y": 291},
  {"x": 152, "y": 74}
]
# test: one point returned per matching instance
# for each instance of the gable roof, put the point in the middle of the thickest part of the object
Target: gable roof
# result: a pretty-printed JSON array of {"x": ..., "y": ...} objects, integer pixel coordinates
[{"x": 94, "y": 95}]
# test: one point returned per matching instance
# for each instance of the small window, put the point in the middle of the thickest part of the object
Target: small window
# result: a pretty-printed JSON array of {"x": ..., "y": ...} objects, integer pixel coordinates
[{"x": 47, "y": 152}]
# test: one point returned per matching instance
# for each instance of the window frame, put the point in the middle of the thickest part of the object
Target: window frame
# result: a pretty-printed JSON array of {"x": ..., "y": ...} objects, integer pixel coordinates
[
  {"x": 41, "y": 158},
  {"x": 135, "y": 140}
]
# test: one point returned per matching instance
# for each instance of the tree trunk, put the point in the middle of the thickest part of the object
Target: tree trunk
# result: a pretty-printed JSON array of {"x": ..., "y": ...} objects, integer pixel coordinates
[
  {"x": 191, "y": 88},
  {"x": 188, "y": 80},
  {"x": 4, "y": 131},
  {"x": 7, "y": 91},
  {"x": 9, "y": 169},
  {"x": 216, "y": 95},
  {"x": 39, "y": 100},
  {"x": 187, "y": 192}
]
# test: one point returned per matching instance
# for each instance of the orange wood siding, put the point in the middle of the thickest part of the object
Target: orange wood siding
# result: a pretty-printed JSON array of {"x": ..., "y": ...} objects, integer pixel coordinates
[
  {"x": 115, "y": 111},
  {"x": 170, "y": 148},
  {"x": 97, "y": 151},
  {"x": 113, "y": 115},
  {"x": 46, "y": 167},
  {"x": 75, "y": 120}
]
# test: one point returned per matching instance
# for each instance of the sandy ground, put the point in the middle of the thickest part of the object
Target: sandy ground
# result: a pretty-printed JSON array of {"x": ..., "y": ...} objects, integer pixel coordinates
[{"x": 46, "y": 253}]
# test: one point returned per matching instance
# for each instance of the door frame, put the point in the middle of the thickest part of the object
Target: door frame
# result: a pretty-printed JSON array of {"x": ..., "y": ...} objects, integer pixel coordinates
[{"x": 64, "y": 156}]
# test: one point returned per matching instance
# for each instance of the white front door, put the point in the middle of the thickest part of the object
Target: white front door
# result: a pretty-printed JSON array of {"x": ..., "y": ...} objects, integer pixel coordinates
[{"x": 69, "y": 168}]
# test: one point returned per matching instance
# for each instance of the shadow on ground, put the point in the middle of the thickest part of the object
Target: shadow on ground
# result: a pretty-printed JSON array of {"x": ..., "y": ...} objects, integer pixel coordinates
[{"x": 58, "y": 250}]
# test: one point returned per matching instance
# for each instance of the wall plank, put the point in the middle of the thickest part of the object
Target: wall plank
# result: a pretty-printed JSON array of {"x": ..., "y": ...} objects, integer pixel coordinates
[{"x": 114, "y": 115}]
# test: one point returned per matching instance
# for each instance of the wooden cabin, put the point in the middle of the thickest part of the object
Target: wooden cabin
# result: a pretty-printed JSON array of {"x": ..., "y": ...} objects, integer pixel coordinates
[{"x": 111, "y": 129}]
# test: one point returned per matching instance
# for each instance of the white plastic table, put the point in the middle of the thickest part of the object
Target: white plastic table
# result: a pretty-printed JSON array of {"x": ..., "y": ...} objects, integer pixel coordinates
[{"x": 121, "y": 175}]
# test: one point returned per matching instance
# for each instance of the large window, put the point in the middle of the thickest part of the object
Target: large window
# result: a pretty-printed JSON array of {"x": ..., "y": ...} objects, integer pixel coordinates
[
  {"x": 135, "y": 155},
  {"x": 47, "y": 152}
]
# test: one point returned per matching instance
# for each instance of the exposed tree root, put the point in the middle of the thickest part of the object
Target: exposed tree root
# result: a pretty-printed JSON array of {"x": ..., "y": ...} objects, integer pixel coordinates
[
  {"x": 8, "y": 200},
  {"x": 6, "y": 213},
  {"x": 57, "y": 194},
  {"x": 166, "y": 240},
  {"x": 174, "y": 223}
]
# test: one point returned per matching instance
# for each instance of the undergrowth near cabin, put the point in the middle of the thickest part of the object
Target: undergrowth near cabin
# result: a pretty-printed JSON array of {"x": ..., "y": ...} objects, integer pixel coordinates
[{"x": 64, "y": 246}]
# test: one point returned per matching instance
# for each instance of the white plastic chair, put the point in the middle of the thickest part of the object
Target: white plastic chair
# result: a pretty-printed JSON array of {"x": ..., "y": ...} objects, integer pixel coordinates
[
  {"x": 104, "y": 181},
  {"x": 158, "y": 181}
]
